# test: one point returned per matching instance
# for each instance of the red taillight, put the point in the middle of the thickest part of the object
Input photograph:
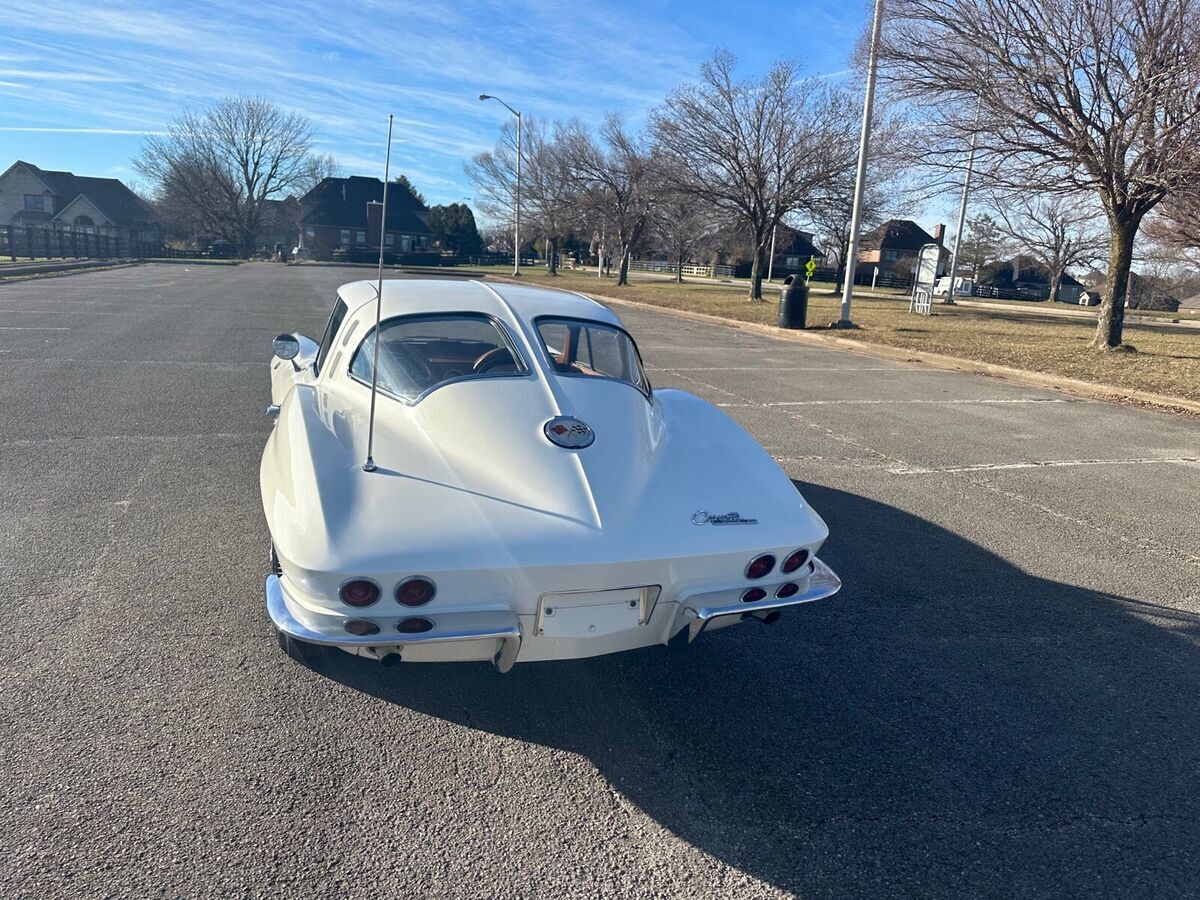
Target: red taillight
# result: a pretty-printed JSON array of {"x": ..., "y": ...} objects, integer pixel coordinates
[
  {"x": 788, "y": 590},
  {"x": 795, "y": 561},
  {"x": 753, "y": 595},
  {"x": 361, "y": 627},
  {"x": 359, "y": 592},
  {"x": 415, "y": 591},
  {"x": 415, "y": 625},
  {"x": 760, "y": 566}
]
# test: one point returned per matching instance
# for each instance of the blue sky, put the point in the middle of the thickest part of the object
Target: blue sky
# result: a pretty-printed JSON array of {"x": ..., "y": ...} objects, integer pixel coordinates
[{"x": 81, "y": 81}]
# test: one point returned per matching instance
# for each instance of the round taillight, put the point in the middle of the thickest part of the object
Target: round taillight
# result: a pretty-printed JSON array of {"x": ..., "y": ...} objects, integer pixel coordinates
[
  {"x": 754, "y": 595},
  {"x": 359, "y": 592},
  {"x": 760, "y": 566},
  {"x": 361, "y": 627},
  {"x": 415, "y": 591},
  {"x": 415, "y": 625},
  {"x": 788, "y": 590},
  {"x": 795, "y": 561}
]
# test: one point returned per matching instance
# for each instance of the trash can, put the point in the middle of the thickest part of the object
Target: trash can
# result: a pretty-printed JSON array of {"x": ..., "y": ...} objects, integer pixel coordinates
[{"x": 793, "y": 302}]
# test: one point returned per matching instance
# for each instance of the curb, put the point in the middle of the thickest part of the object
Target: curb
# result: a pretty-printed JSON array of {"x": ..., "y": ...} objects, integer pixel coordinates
[
  {"x": 63, "y": 273},
  {"x": 1074, "y": 386}
]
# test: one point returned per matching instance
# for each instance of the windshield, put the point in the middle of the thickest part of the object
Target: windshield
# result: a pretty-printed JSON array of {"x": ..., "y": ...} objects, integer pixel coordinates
[
  {"x": 592, "y": 350},
  {"x": 420, "y": 353}
]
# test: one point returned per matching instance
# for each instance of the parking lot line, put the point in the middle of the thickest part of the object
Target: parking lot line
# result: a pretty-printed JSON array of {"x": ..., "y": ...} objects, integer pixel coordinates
[{"x": 1043, "y": 464}]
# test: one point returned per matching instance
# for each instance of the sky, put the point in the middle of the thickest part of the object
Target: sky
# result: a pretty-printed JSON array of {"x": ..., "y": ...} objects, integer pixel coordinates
[{"x": 83, "y": 81}]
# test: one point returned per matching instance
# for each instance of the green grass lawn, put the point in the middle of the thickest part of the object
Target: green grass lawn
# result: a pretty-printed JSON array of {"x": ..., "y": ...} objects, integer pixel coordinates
[{"x": 1166, "y": 361}]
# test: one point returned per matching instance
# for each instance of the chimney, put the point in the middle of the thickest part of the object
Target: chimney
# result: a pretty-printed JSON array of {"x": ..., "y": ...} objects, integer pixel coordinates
[{"x": 939, "y": 232}]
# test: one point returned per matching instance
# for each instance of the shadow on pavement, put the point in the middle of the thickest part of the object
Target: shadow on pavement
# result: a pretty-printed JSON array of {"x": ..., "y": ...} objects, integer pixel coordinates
[{"x": 948, "y": 724}]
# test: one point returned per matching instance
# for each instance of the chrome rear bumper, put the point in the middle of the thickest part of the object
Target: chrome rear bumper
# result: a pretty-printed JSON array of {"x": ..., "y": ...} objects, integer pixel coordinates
[
  {"x": 700, "y": 610},
  {"x": 330, "y": 631}
]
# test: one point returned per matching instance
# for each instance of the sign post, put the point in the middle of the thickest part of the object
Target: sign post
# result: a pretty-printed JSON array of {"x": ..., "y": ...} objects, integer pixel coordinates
[{"x": 924, "y": 278}]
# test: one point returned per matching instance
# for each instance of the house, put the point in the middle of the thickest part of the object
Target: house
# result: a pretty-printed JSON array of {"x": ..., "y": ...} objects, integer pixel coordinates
[
  {"x": 893, "y": 247},
  {"x": 31, "y": 198},
  {"x": 1024, "y": 278},
  {"x": 1190, "y": 306},
  {"x": 793, "y": 250},
  {"x": 334, "y": 221}
]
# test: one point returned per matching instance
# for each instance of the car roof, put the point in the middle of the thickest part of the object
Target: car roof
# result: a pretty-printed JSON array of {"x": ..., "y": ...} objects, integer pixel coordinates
[{"x": 502, "y": 300}]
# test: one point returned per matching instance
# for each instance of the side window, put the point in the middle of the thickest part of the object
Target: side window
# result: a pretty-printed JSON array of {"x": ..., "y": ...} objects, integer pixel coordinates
[{"x": 331, "y": 330}]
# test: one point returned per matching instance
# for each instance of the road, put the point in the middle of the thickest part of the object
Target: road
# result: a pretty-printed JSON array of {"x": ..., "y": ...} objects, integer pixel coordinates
[{"x": 1003, "y": 701}]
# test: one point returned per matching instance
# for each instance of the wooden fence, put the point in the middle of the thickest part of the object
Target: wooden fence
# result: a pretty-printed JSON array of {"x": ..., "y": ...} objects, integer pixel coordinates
[{"x": 33, "y": 242}]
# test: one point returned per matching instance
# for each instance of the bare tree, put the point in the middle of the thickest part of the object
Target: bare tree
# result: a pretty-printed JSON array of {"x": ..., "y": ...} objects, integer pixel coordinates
[
  {"x": 831, "y": 206},
  {"x": 494, "y": 175},
  {"x": 682, "y": 225},
  {"x": 616, "y": 178},
  {"x": 223, "y": 163},
  {"x": 1095, "y": 95},
  {"x": 1175, "y": 229},
  {"x": 1059, "y": 231},
  {"x": 752, "y": 150},
  {"x": 550, "y": 197}
]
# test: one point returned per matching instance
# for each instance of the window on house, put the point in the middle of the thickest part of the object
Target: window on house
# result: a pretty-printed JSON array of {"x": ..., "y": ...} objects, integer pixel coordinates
[
  {"x": 35, "y": 201},
  {"x": 389, "y": 239},
  {"x": 360, "y": 237},
  {"x": 310, "y": 233},
  {"x": 345, "y": 236}
]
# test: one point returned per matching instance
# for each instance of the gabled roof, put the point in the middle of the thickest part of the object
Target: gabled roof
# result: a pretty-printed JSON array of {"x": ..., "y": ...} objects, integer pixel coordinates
[
  {"x": 796, "y": 243},
  {"x": 343, "y": 202},
  {"x": 896, "y": 234},
  {"x": 121, "y": 205},
  {"x": 1029, "y": 271}
]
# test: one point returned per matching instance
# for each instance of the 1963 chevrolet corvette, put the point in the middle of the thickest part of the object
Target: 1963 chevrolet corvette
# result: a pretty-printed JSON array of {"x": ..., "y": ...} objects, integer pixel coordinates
[{"x": 533, "y": 497}]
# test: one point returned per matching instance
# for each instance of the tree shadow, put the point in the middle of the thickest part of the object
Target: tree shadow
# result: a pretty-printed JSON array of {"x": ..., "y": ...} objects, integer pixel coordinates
[{"x": 949, "y": 724}]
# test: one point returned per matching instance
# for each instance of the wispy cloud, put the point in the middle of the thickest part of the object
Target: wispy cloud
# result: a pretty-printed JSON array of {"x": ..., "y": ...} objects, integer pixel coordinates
[{"x": 124, "y": 68}]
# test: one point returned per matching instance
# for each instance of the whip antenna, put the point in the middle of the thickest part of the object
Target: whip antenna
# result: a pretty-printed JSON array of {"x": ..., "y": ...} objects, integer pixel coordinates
[{"x": 369, "y": 465}]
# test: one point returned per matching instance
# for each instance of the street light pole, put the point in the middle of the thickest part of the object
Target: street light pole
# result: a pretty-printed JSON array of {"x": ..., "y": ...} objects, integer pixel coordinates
[
  {"x": 962, "y": 207},
  {"x": 517, "y": 198},
  {"x": 771, "y": 261},
  {"x": 864, "y": 144}
]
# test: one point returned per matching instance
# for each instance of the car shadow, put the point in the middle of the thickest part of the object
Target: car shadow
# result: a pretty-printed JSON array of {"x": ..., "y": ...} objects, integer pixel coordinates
[{"x": 949, "y": 724}]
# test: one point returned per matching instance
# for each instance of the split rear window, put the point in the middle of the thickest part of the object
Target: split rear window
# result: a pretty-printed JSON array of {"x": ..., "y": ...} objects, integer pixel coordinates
[{"x": 587, "y": 349}]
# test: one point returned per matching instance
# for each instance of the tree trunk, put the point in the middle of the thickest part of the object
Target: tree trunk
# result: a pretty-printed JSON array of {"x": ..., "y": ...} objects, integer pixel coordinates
[
  {"x": 1111, "y": 320},
  {"x": 756, "y": 278},
  {"x": 553, "y": 262},
  {"x": 1055, "y": 285},
  {"x": 679, "y": 269},
  {"x": 623, "y": 275}
]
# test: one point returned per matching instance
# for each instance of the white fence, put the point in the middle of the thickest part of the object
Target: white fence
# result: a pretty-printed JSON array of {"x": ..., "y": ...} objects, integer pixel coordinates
[{"x": 660, "y": 265}]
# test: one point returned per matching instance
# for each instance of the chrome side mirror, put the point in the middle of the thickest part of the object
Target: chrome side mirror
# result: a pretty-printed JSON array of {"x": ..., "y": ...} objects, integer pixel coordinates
[{"x": 286, "y": 346}]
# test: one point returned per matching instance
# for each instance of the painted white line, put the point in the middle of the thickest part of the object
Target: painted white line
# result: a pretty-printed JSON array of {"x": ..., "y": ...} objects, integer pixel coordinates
[
  {"x": 34, "y": 328},
  {"x": 775, "y": 403},
  {"x": 785, "y": 368},
  {"x": 1046, "y": 464}
]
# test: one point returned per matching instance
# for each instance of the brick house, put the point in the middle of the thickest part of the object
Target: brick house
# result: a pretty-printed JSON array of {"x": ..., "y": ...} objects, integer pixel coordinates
[
  {"x": 36, "y": 198},
  {"x": 893, "y": 247},
  {"x": 334, "y": 221}
]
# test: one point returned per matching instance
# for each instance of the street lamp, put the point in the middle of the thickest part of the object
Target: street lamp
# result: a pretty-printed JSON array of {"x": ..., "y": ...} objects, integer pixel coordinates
[
  {"x": 864, "y": 145},
  {"x": 517, "y": 201},
  {"x": 962, "y": 207}
]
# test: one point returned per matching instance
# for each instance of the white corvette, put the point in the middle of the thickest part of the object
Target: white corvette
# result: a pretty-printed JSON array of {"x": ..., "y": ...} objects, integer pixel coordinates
[{"x": 532, "y": 497}]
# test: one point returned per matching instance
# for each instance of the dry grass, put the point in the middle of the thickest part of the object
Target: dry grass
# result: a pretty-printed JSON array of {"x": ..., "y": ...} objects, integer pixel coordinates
[{"x": 1166, "y": 361}]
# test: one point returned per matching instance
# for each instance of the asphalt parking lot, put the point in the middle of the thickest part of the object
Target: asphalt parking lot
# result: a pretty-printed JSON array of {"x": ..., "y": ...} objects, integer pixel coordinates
[{"x": 1003, "y": 701}]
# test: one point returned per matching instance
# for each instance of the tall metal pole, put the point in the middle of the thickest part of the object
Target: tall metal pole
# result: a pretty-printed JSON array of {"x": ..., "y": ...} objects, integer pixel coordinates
[
  {"x": 962, "y": 207},
  {"x": 369, "y": 465},
  {"x": 771, "y": 261},
  {"x": 517, "y": 211},
  {"x": 864, "y": 144},
  {"x": 517, "y": 192}
]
